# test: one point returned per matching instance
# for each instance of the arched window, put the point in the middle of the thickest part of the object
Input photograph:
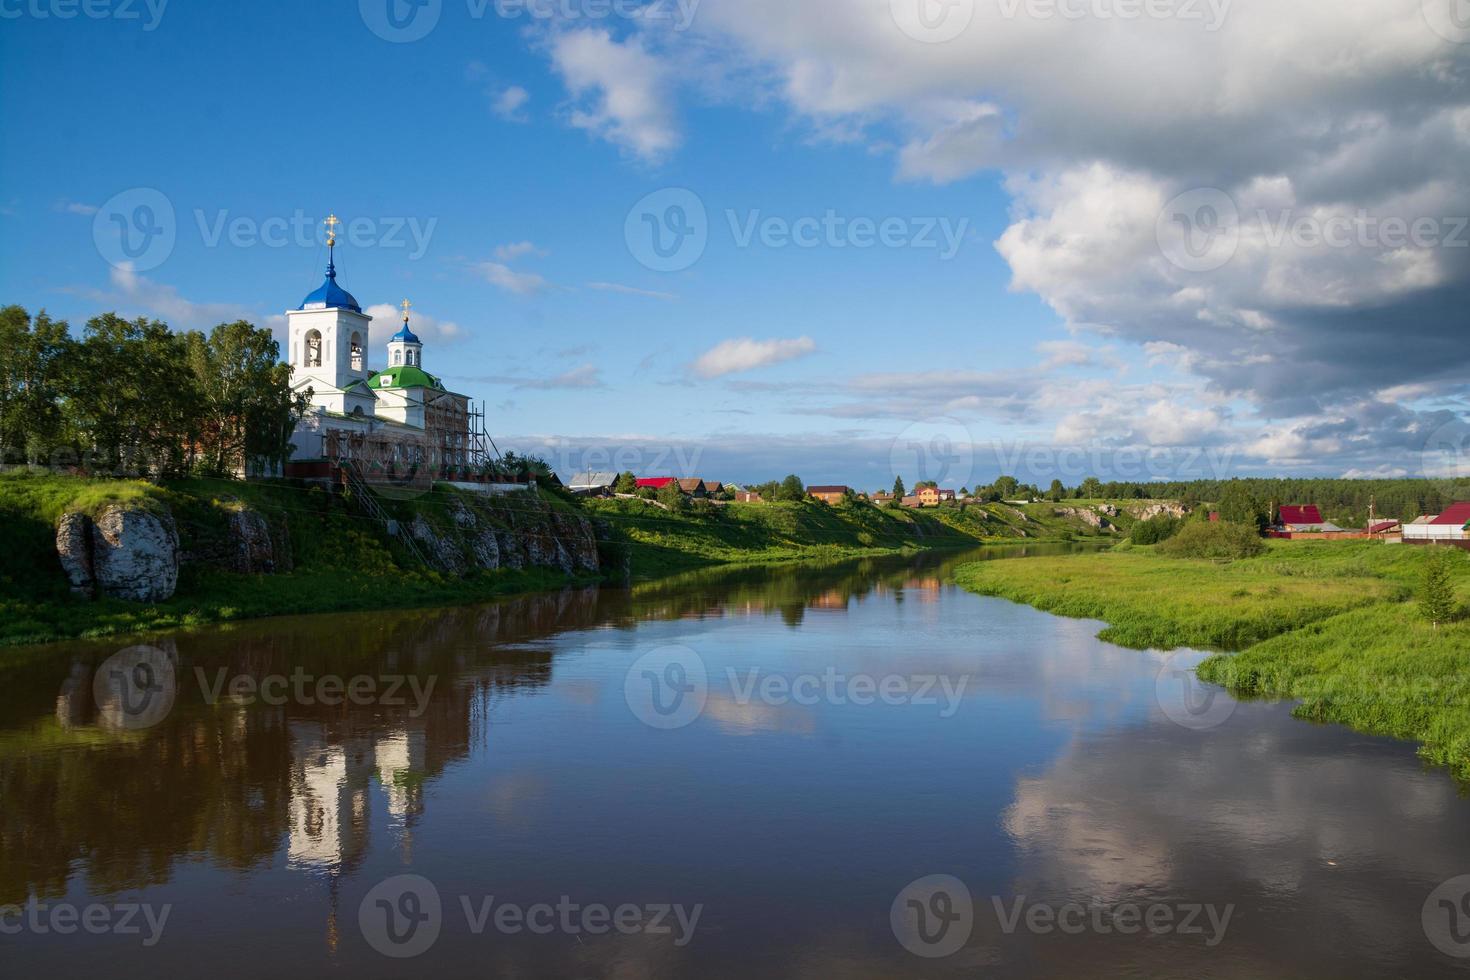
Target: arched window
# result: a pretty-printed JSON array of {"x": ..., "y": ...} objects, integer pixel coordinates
[
  {"x": 397, "y": 358},
  {"x": 356, "y": 348},
  {"x": 313, "y": 349}
]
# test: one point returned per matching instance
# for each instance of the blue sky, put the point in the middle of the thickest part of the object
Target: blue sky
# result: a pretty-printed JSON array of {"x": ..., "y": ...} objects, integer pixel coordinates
[{"x": 493, "y": 163}]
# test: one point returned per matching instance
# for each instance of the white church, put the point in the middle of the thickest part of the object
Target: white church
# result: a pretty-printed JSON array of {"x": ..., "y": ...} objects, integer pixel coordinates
[{"x": 400, "y": 415}]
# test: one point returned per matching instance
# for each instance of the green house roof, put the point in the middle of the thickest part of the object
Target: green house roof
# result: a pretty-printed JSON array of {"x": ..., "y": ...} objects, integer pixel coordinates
[{"x": 405, "y": 376}]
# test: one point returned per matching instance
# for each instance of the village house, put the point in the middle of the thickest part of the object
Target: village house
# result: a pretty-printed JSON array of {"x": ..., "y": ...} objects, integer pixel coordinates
[
  {"x": 934, "y": 496},
  {"x": 593, "y": 484},
  {"x": 693, "y": 487},
  {"x": 1451, "y": 527},
  {"x": 1304, "y": 519},
  {"x": 655, "y": 482},
  {"x": 829, "y": 494},
  {"x": 748, "y": 497}
]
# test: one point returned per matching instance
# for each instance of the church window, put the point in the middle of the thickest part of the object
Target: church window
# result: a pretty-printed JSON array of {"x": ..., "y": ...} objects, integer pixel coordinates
[
  {"x": 356, "y": 351},
  {"x": 313, "y": 349}
]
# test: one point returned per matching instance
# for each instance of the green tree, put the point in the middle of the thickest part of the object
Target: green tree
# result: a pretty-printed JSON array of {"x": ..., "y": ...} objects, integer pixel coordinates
[
  {"x": 1091, "y": 489},
  {"x": 1437, "y": 592},
  {"x": 672, "y": 497},
  {"x": 32, "y": 374},
  {"x": 1239, "y": 506},
  {"x": 1057, "y": 491},
  {"x": 1006, "y": 486},
  {"x": 131, "y": 400},
  {"x": 899, "y": 491},
  {"x": 246, "y": 408},
  {"x": 792, "y": 489},
  {"x": 626, "y": 483}
]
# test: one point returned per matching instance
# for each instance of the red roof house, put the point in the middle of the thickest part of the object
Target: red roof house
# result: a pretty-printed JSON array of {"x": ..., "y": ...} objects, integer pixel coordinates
[
  {"x": 655, "y": 482},
  {"x": 1458, "y": 516},
  {"x": 1308, "y": 514}
]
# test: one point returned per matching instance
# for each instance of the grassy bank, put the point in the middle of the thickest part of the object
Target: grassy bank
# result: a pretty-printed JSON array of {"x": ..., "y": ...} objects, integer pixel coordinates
[
  {"x": 663, "y": 542},
  {"x": 342, "y": 561},
  {"x": 1334, "y": 625}
]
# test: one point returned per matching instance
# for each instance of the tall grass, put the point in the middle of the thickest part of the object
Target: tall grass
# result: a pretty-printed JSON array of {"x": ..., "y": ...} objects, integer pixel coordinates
[{"x": 1331, "y": 624}]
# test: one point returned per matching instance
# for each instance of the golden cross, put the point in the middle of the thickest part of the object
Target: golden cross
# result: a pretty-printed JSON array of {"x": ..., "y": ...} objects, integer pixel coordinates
[
  {"x": 406, "y": 305},
  {"x": 331, "y": 224}
]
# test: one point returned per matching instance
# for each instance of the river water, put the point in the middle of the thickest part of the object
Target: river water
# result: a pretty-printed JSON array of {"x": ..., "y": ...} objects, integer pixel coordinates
[{"x": 843, "y": 771}]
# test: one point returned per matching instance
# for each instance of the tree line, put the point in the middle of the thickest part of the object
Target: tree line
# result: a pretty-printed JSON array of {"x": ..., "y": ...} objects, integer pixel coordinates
[{"x": 134, "y": 397}]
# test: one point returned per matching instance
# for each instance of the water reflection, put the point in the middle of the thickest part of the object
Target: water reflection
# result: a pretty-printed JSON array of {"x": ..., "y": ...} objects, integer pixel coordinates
[{"x": 522, "y": 773}]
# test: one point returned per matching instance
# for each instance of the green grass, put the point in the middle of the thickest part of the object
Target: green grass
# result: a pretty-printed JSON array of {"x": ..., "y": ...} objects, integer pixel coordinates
[
  {"x": 663, "y": 542},
  {"x": 1332, "y": 624},
  {"x": 342, "y": 561}
]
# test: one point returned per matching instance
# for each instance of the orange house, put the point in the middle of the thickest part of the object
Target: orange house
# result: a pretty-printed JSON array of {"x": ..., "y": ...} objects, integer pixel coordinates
[{"x": 829, "y": 495}]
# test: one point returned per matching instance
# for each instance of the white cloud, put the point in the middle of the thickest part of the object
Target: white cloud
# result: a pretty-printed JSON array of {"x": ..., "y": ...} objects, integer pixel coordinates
[
  {"x": 1369, "y": 115},
  {"x": 508, "y": 103},
  {"x": 515, "y": 250},
  {"x": 75, "y": 207},
  {"x": 746, "y": 354},
  {"x": 387, "y": 319},
  {"x": 134, "y": 294},
  {"x": 614, "y": 287},
  {"x": 583, "y": 376},
  {"x": 503, "y": 276},
  {"x": 621, "y": 90}
]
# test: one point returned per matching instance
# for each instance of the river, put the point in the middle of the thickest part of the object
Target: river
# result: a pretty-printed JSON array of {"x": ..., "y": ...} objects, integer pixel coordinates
[{"x": 854, "y": 770}]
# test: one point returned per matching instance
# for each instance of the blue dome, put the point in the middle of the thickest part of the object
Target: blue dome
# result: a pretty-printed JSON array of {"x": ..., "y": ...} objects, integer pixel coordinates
[
  {"x": 404, "y": 336},
  {"x": 331, "y": 296}
]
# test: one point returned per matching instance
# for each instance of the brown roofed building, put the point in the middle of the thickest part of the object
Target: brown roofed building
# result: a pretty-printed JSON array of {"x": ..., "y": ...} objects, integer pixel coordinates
[
  {"x": 829, "y": 494},
  {"x": 693, "y": 486}
]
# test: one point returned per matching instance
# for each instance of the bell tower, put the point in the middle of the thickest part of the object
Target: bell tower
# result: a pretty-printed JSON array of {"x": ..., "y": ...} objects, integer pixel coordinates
[{"x": 328, "y": 337}]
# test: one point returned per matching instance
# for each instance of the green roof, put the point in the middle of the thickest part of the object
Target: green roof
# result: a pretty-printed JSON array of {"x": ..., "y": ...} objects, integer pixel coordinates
[{"x": 405, "y": 376}]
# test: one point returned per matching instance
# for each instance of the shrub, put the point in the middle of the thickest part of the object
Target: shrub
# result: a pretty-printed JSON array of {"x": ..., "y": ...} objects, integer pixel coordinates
[
  {"x": 1155, "y": 530},
  {"x": 1437, "y": 593},
  {"x": 1218, "y": 541}
]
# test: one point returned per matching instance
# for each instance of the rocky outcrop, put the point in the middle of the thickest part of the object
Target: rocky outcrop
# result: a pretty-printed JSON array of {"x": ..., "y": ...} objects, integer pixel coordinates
[
  {"x": 517, "y": 531},
  {"x": 1156, "y": 510},
  {"x": 126, "y": 552},
  {"x": 74, "y": 548},
  {"x": 253, "y": 547},
  {"x": 441, "y": 550},
  {"x": 1087, "y": 516}
]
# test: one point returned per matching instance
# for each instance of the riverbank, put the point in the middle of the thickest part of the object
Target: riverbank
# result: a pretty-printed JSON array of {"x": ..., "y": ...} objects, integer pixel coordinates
[
  {"x": 663, "y": 542},
  {"x": 1333, "y": 625},
  {"x": 325, "y": 555},
  {"x": 312, "y": 551}
]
